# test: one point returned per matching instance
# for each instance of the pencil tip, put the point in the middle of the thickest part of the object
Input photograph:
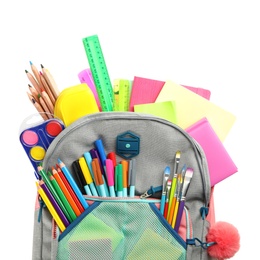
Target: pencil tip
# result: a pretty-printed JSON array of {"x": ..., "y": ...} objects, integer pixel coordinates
[
  {"x": 26, "y": 71},
  {"x": 29, "y": 86},
  {"x": 42, "y": 66},
  {"x": 31, "y": 63}
]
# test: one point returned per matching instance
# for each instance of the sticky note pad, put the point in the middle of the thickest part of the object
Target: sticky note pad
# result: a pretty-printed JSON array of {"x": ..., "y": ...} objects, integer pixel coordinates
[
  {"x": 191, "y": 107},
  {"x": 165, "y": 110},
  {"x": 220, "y": 163},
  {"x": 144, "y": 91}
]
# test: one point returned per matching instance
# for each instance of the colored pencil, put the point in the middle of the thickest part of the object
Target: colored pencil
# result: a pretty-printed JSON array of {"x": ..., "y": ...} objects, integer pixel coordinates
[
  {"x": 33, "y": 81},
  {"x": 36, "y": 74},
  {"x": 33, "y": 92},
  {"x": 47, "y": 89},
  {"x": 50, "y": 80},
  {"x": 54, "y": 203},
  {"x": 39, "y": 108},
  {"x": 64, "y": 190},
  {"x": 69, "y": 188},
  {"x": 44, "y": 106},
  {"x": 73, "y": 184},
  {"x": 50, "y": 207},
  {"x": 47, "y": 100},
  {"x": 46, "y": 179}
]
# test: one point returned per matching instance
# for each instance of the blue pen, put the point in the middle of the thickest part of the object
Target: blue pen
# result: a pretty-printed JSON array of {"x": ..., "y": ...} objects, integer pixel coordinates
[
  {"x": 73, "y": 184},
  {"x": 166, "y": 176},
  {"x": 101, "y": 151},
  {"x": 132, "y": 177}
]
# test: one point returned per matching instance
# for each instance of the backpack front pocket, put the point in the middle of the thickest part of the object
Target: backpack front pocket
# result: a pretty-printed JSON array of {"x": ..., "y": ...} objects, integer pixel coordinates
[{"x": 120, "y": 230}]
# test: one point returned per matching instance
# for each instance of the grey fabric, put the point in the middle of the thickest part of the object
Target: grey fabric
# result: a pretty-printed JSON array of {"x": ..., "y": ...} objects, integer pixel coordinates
[{"x": 159, "y": 141}]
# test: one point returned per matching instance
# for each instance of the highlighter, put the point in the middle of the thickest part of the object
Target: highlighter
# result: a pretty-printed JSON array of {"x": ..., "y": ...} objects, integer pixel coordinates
[
  {"x": 125, "y": 177},
  {"x": 119, "y": 177},
  {"x": 132, "y": 177},
  {"x": 110, "y": 177},
  {"x": 87, "y": 176}
]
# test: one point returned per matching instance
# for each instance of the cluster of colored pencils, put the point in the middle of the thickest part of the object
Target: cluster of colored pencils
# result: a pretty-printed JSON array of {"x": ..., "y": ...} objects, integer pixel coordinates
[
  {"x": 43, "y": 90},
  {"x": 61, "y": 195}
]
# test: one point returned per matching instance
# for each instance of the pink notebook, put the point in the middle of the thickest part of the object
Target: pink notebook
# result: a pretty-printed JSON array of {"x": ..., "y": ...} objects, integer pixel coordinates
[{"x": 220, "y": 164}]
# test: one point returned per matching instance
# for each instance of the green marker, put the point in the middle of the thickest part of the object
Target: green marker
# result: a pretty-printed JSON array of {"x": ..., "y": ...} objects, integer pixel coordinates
[{"x": 119, "y": 180}]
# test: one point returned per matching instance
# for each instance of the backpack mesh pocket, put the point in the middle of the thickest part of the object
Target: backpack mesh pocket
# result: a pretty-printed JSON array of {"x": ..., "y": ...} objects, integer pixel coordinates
[{"x": 120, "y": 230}]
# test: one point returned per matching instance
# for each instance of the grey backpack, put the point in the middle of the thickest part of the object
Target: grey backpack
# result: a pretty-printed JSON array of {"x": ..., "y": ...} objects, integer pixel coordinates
[{"x": 128, "y": 227}]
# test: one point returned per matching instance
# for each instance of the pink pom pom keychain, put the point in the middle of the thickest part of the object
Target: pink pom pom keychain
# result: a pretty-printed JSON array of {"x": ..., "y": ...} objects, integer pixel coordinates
[{"x": 223, "y": 240}]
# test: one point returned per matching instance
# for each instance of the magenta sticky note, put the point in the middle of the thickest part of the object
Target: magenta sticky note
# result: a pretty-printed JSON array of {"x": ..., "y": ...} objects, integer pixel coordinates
[
  {"x": 220, "y": 163},
  {"x": 85, "y": 76},
  {"x": 144, "y": 91}
]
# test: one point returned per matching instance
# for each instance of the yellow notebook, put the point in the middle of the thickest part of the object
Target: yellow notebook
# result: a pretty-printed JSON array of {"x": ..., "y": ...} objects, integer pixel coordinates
[{"x": 191, "y": 107}]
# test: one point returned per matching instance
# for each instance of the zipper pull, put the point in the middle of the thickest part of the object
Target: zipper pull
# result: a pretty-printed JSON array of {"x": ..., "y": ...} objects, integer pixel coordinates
[{"x": 151, "y": 191}]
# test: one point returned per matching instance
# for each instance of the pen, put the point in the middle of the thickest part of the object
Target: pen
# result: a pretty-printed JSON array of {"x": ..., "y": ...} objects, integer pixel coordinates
[
  {"x": 119, "y": 178},
  {"x": 94, "y": 154},
  {"x": 112, "y": 156},
  {"x": 87, "y": 176},
  {"x": 79, "y": 176},
  {"x": 50, "y": 207},
  {"x": 98, "y": 177},
  {"x": 73, "y": 183},
  {"x": 132, "y": 177},
  {"x": 110, "y": 177},
  {"x": 88, "y": 159},
  {"x": 101, "y": 151},
  {"x": 166, "y": 175},
  {"x": 125, "y": 176}
]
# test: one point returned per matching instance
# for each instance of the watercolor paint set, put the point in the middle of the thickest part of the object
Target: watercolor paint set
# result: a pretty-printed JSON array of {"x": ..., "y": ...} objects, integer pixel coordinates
[{"x": 36, "y": 138}]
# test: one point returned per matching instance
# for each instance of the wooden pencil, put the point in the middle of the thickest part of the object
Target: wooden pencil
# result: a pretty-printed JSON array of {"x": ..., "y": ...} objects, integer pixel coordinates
[
  {"x": 47, "y": 89},
  {"x": 33, "y": 81},
  {"x": 51, "y": 82}
]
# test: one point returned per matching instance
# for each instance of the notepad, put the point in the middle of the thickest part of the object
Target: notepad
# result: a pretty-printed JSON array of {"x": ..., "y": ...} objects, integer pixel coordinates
[
  {"x": 165, "y": 110},
  {"x": 220, "y": 163},
  {"x": 191, "y": 107},
  {"x": 144, "y": 91}
]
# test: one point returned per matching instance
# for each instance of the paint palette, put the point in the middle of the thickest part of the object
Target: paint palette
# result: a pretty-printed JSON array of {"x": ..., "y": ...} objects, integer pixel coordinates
[{"x": 37, "y": 138}]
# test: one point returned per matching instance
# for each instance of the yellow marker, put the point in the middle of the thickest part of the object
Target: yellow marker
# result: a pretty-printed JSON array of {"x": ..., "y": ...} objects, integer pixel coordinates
[
  {"x": 50, "y": 207},
  {"x": 87, "y": 175}
]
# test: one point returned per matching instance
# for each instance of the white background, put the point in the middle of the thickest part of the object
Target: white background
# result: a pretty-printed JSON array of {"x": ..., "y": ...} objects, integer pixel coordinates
[{"x": 208, "y": 44}]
